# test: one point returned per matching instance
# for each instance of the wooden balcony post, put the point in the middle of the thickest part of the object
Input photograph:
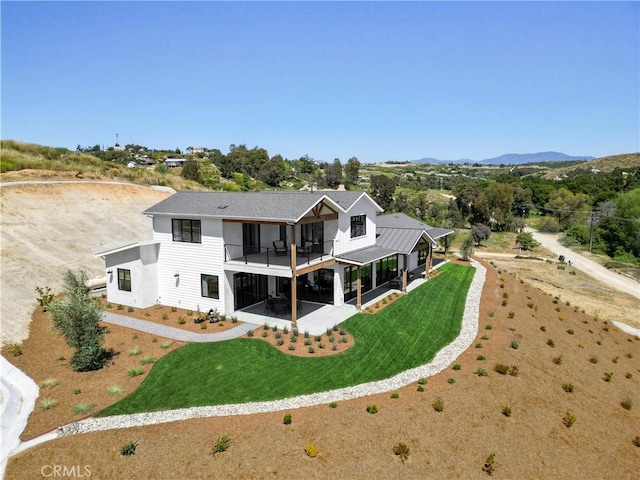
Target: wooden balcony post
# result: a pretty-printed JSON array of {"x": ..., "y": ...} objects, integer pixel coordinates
[
  {"x": 294, "y": 283},
  {"x": 359, "y": 290}
]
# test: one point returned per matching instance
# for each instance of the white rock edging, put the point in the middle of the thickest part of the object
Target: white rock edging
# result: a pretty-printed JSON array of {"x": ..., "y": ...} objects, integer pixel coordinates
[{"x": 443, "y": 358}]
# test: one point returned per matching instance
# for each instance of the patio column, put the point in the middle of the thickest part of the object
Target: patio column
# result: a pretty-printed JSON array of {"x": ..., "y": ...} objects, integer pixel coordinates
[
  {"x": 294, "y": 283},
  {"x": 359, "y": 290},
  {"x": 404, "y": 273},
  {"x": 427, "y": 265}
]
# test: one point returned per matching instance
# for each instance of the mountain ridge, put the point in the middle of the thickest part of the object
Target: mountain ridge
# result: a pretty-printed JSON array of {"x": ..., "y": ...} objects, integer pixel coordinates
[{"x": 513, "y": 158}]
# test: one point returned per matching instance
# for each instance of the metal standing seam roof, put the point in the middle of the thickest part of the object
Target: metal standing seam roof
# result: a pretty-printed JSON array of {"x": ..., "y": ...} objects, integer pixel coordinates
[
  {"x": 285, "y": 206},
  {"x": 402, "y": 240},
  {"x": 365, "y": 255}
]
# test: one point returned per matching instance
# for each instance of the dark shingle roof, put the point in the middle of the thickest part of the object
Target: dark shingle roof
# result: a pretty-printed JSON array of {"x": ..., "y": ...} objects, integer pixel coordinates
[{"x": 285, "y": 206}]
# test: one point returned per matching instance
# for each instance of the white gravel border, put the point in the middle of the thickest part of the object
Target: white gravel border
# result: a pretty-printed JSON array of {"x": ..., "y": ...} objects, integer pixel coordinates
[{"x": 442, "y": 359}]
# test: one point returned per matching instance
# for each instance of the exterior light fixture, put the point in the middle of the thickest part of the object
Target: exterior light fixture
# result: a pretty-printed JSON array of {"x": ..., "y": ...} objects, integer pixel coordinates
[{"x": 109, "y": 272}]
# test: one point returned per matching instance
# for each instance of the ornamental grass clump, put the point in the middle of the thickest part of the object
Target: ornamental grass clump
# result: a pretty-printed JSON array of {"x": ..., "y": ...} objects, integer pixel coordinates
[
  {"x": 221, "y": 445},
  {"x": 402, "y": 451},
  {"x": 311, "y": 450}
]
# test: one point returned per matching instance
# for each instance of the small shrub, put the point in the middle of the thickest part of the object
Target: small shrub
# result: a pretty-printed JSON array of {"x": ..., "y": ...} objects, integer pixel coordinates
[
  {"x": 109, "y": 305},
  {"x": 307, "y": 342},
  {"x": 115, "y": 390},
  {"x": 570, "y": 331},
  {"x": 321, "y": 345},
  {"x": 15, "y": 349},
  {"x": 593, "y": 359},
  {"x": 120, "y": 307},
  {"x": 181, "y": 321},
  {"x": 311, "y": 350},
  {"x": 608, "y": 376},
  {"x": 627, "y": 403},
  {"x": 628, "y": 355},
  {"x": 511, "y": 314},
  {"x": 505, "y": 294},
  {"x": 395, "y": 395},
  {"x": 422, "y": 381},
  {"x": 203, "y": 326},
  {"x": 372, "y": 409},
  {"x": 343, "y": 340},
  {"x": 438, "y": 404},
  {"x": 530, "y": 304},
  {"x": 165, "y": 316},
  {"x": 456, "y": 366},
  {"x": 480, "y": 357},
  {"x": 278, "y": 335},
  {"x": 264, "y": 334},
  {"x": 567, "y": 387},
  {"x": 47, "y": 403},
  {"x": 568, "y": 420},
  {"x": 506, "y": 411},
  {"x": 286, "y": 419},
  {"x": 501, "y": 368},
  {"x": 514, "y": 370},
  {"x": 628, "y": 375},
  {"x": 557, "y": 360},
  {"x": 306, "y": 334},
  {"x": 343, "y": 332},
  {"x": 503, "y": 303},
  {"x": 77, "y": 391},
  {"x": 129, "y": 448},
  {"x": 514, "y": 344},
  {"x": 478, "y": 345},
  {"x": 491, "y": 315},
  {"x": 147, "y": 360},
  {"x": 615, "y": 359},
  {"x": 250, "y": 333},
  {"x": 134, "y": 336},
  {"x": 49, "y": 383},
  {"x": 488, "y": 467},
  {"x": 293, "y": 339},
  {"x": 234, "y": 319},
  {"x": 189, "y": 313},
  {"x": 551, "y": 343},
  {"x": 135, "y": 371},
  {"x": 221, "y": 445},
  {"x": 285, "y": 330},
  {"x": 451, "y": 381},
  {"x": 311, "y": 450},
  {"x": 280, "y": 342},
  {"x": 82, "y": 408},
  {"x": 402, "y": 451},
  {"x": 134, "y": 351},
  {"x": 420, "y": 388},
  {"x": 636, "y": 441},
  {"x": 331, "y": 339},
  {"x": 174, "y": 309},
  {"x": 333, "y": 405},
  {"x": 166, "y": 344},
  {"x": 484, "y": 337},
  {"x": 481, "y": 372},
  {"x": 292, "y": 347},
  {"x": 543, "y": 328}
]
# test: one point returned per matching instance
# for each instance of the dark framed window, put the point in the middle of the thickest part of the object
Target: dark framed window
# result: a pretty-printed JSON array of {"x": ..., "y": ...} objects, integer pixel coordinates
[
  {"x": 124, "y": 279},
  {"x": 358, "y": 226},
  {"x": 186, "y": 230},
  {"x": 422, "y": 256},
  {"x": 210, "y": 286}
]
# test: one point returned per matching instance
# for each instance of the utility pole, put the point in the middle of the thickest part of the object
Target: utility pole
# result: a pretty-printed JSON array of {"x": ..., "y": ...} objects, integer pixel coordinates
[{"x": 591, "y": 231}]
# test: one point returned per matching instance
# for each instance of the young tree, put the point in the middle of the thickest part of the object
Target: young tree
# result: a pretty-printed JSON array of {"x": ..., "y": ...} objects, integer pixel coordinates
[
  {"x": 190, "y": 170},
  {"x": 467, "y": 248},
  {"x": 525, "y": 241},
  {"x": 78, "y": 316}
]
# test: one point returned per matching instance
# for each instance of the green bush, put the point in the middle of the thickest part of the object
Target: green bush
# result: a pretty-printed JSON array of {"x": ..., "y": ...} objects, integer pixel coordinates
[
  {"x": 501, "y": 368},
  {"x": 221, "y": 445},
  {"x": 372, "y": 409},
  {"x": 82, "y": 408},
  {"x": 568, "y": 420},
  {"x": 14, "y": 349},
  {"x": 402, "y": 451},
  {"x": 129, "y": 449},
  {"x": 286, "y": 419},
  {"x": 488, "y": 466},
  {"x": 135, "y": 371},
  {"x": 506, "y": 411},
  {"x": 438, "y": 404}
]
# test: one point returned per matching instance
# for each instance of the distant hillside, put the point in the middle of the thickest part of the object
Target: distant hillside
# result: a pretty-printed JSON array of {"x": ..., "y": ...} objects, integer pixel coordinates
[
  {"x": 603, "y": 164},
  {"x": 513, "y": 159}
]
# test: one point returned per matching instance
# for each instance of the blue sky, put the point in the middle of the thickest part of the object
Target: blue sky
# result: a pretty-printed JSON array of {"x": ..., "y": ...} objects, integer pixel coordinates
[{"x": 376, "y": 80}]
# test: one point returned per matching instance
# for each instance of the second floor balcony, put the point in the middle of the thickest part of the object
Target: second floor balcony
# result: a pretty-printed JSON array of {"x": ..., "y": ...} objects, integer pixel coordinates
[{"x": 278, "y": 255}]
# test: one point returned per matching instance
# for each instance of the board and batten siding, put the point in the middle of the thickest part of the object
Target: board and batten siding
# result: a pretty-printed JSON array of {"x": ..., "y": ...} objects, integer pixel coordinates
[
  {"x": 181, "y": 265},
  {"x": 142, "y": 263},
  {"x": 344, "y": 243}
]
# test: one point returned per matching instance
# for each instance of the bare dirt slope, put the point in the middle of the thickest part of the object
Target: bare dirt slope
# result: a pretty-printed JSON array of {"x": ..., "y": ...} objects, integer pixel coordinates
[{"x": 47, "y": 228}]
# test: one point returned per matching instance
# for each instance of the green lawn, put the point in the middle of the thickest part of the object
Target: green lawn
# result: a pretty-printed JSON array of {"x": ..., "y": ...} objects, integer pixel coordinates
[{"x": 406, "y": 334}]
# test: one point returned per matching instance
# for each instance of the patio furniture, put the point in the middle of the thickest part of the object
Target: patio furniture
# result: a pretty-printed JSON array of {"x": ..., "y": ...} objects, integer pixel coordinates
[
  {"x": 394, "y": 283},
  {"x": 270, "y": 304},
  {"x": 305, "y": 248},
  {"x": 280, "y": 247}
]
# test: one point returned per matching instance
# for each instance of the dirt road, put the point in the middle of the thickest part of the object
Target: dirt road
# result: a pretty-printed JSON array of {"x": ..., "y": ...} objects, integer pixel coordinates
[{"x": 588, "y": 266}]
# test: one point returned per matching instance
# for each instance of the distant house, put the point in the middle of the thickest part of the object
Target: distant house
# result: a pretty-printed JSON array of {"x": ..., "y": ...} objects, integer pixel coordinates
[
  {"x": 231, "y": 250},
  {"x": 194, "y": 150},
  {"x": 173, "y": 162}
]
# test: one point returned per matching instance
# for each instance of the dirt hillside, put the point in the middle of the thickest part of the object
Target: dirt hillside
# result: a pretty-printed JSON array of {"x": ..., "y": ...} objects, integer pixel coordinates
[{"x": 47, "y": 228}]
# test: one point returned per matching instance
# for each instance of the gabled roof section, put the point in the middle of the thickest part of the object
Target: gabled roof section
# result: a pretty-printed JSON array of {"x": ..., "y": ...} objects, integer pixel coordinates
[
  {"x": 126, "y": 247},
  {"x": 274, "y": 206},
  {"x": 365, "y": 255},
  {"x": 402, "y": 233}
]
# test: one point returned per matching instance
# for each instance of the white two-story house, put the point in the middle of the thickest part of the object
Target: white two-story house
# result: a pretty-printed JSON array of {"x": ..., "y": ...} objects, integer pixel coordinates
[{"x": 229, "y": 250}]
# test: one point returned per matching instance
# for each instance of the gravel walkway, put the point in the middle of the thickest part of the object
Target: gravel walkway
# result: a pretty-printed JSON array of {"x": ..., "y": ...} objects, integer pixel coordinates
[{"x": 443, "y": 359}]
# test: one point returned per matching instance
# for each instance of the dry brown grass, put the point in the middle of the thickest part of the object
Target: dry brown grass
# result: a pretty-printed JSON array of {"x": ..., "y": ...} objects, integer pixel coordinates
[{"x": 531, "y": 443}]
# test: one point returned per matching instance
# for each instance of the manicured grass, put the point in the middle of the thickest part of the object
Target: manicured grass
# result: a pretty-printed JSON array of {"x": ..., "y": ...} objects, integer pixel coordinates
[{"x": 405, "y": 334}]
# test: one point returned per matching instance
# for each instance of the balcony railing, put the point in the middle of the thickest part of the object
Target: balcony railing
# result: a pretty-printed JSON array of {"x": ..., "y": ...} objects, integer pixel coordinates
[{"x": 268, "y": 257}]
